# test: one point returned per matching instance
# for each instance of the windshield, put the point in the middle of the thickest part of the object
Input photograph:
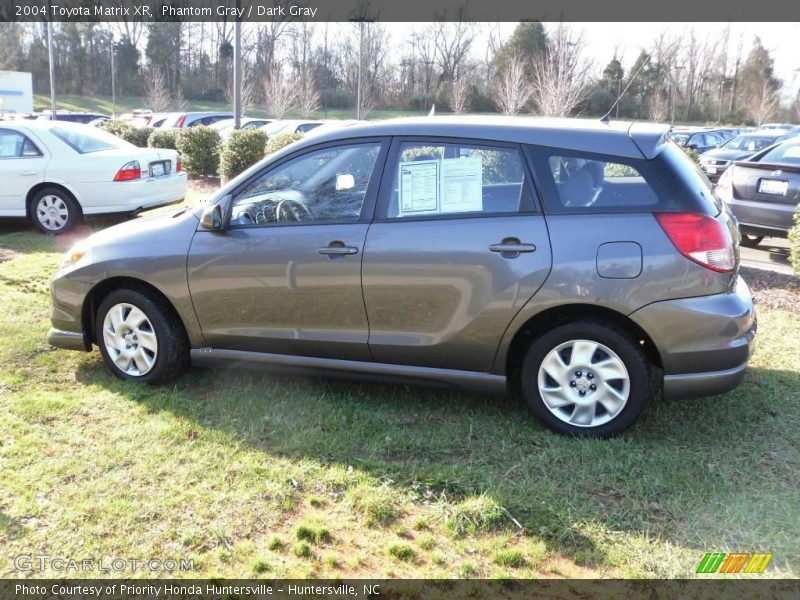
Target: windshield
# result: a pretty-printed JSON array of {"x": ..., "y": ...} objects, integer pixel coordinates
[
  {"x": 751, "y": 143},
  {"x": 788, "y": 153},
  {"x": 85, "y": 142}
]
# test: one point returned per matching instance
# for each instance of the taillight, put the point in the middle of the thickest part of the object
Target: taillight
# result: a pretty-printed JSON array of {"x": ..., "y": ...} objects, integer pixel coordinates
[
  {"x": 179, "y": 165},
  {"x": 181, "y": 122},
  {"x": 700, "y": 238},
  {"x": 129, "y": 171}
]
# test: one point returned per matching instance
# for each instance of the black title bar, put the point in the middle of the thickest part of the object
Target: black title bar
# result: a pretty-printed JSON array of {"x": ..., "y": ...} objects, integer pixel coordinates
[{"x": 400, "y": 10}]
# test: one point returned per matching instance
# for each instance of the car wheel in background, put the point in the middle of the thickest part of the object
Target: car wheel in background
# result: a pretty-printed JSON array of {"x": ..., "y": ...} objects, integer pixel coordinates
[
  {"x": 54, "y": 211},
  {"x": 586, "y": 378},
  {"x": 751, "y": 241},
  {"x": 140, "y": 337}
]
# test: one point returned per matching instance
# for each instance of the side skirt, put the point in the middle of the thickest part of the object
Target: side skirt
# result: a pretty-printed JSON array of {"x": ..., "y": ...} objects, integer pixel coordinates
[{"x": 471, "y": 381}]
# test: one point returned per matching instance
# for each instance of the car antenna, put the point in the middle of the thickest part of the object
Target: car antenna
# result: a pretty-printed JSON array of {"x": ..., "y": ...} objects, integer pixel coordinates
[{"x": 606, "y": 118}]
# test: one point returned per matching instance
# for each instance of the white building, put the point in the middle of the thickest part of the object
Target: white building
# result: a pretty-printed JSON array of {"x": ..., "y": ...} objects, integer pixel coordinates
[{"x": 16, "y": 91}]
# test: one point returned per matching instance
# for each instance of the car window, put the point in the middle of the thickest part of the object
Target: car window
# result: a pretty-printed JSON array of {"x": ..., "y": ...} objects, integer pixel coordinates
[
  {"x": 325, "y": 185},
  {"x": 85, "y": 142},
  {"x": 788, "y": 154},
  {"x": 306, "y": 127},
  {"x": 434, "y": 180},
  {"x": 585, "y": 182},
  {"x": 13, "y": 144}
]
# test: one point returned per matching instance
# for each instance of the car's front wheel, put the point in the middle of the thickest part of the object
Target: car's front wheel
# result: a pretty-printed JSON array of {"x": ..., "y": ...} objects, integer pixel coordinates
[
  {"x": 54, "y": 211},
  {"x": 140, "y": 337},
  {"x": 586, "y": 378}
]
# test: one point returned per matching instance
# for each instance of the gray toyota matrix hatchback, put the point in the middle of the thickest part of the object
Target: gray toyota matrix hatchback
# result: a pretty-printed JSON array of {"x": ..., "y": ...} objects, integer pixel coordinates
[{"x": 586, "y": 264}]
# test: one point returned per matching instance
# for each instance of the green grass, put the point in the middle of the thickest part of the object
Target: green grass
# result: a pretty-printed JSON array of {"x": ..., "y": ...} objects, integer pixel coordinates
[
  {"x": 103, "y": 104},
  {"x": 248, "y": 473}
]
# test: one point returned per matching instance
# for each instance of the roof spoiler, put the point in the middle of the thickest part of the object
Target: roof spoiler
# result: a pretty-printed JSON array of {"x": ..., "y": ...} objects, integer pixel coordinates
[{"x": 649, "y": 137}]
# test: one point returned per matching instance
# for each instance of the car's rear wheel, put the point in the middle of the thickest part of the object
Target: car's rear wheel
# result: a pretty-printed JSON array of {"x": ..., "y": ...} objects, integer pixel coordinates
[
  {"x": 586, "y": 378},
  {"x": 54, "y": 210},
  {"x": 140, "y": 337},
  {"x": 751, "y": 241}
]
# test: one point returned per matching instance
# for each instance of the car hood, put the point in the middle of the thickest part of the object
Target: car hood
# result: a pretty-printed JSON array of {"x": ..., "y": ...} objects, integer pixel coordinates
[
  {"x": 142, "y": 229},
  {"x": 722, "y": 154}
]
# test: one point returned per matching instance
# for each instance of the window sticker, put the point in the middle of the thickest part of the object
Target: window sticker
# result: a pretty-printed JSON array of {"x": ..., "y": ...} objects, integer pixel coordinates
[
  {"x": 462, "y": 185},
  {"x": 419, "y": 187}
]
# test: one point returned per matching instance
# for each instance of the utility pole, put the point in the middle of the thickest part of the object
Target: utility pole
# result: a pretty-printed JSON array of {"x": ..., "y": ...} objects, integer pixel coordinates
[
  {"x": 359, "y": 92},
  {"x": 113, "y": 81},
  {"x": 237, "y": 74},
  {"x": 52, "y": 67}
]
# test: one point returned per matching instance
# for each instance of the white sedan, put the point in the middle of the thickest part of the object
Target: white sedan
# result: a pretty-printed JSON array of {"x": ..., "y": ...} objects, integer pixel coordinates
[{"x": 54, "y": 173}]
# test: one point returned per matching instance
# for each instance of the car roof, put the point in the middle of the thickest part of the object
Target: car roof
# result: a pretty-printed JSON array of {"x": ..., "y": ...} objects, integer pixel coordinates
[{"x": 622, "y": 138}]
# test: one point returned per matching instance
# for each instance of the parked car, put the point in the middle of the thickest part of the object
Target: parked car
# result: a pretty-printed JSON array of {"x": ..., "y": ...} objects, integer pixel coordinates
[
  {"x": 781, "y": 126},
  {"x": 701, "y": 140},
  {"x": 159, "y": 119},
  {"x": 71, "y": 116},
  {"x": 714, "y": 162},
  {"x": 192, "y": 119},
  {"x": 587, "y": 264},
  {"x": 226, "y": 126},
  {"x": 290, "y": 126},
  {"x": 763, "y": 191},
  {"x": 55, "y": 173}
]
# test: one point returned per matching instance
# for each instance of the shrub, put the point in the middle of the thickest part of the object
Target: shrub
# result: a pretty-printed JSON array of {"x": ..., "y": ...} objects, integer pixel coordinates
[
  {"x": 163, "y": 138},
  {"x": 128, "y": 132},
  {"x": 199, "y": 148},
  {"x": 243, "y": 149},
  {"x": 315, "y": 535},
  {"x": 794, "y": 242},
  {"x": 277, "y": 142}
]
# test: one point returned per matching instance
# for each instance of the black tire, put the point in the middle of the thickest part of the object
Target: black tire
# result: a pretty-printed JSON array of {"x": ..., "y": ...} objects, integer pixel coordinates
[
  {"x": 751, "y": 241},
  {"x": 626, "y": 348},
  {"x": 172, "y": 356},
  {"x": 62, "y": 214}
]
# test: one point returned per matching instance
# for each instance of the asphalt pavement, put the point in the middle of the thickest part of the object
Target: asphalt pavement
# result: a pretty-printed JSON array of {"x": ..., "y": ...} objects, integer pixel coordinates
[{"x": 771, "y": 254}]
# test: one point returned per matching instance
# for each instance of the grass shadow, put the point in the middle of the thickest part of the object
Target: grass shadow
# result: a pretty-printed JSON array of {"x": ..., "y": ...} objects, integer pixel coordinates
[{"x": 458, "y": 445}]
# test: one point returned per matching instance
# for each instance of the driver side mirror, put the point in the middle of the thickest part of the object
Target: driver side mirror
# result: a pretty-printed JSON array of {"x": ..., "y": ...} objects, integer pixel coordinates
[
  {"x": 213, "y": 217},
  {"x": 344, "y": 182}
]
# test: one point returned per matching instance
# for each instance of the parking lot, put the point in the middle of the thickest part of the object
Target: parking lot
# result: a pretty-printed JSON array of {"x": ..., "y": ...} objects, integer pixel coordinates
[{"x": 771, "y": 254}]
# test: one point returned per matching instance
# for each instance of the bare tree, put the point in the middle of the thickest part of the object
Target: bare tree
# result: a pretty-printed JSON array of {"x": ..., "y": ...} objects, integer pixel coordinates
[
  {"x": 308, "y": 97},
  {"x": 762, "y": 103},
  {"x": 452, "y": 42},
  {"x": 513, "y": 90},
  {"x": 658, "y": 106},
  {"x": 459, "y": 94},
  {"x": 249, "y": 92},
  {"x": 156, "y": 94},
  {"x": 560, "y": 75},
  {"x": 179, "y": 101},
  {"x": 279, "y": 94}
]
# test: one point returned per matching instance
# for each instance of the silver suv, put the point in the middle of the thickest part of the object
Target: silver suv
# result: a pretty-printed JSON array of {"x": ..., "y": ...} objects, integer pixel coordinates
[{"x": 587, "y": 265}]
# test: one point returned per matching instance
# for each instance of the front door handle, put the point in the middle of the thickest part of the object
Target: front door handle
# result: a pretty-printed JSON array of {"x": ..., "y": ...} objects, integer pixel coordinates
[
  {"x": 511, "y": 248},
  {"x": 337, "y": 250},
  {"x": 29, "y": 172}
]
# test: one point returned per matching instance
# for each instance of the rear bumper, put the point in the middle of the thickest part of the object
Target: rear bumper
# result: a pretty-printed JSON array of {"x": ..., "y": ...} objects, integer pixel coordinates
[
  {"x": 133, "y": 196},
  {"x": 704, "y": 343}
]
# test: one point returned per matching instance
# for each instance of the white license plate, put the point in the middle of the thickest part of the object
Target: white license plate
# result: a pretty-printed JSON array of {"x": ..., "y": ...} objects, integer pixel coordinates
[
  {"x": 773, "y": 186},
  {"x": 157, "y": 169},
  {"x": 711, "y": 170}
]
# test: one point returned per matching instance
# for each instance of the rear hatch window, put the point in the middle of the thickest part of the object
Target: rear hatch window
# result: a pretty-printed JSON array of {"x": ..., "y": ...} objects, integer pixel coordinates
[{"x": 686, "y": 183}]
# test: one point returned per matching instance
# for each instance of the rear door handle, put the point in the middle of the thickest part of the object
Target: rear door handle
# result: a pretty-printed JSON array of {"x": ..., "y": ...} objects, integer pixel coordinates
[
  {"x": 29, "y": 172},
  {"x": 512, "y": 247}
]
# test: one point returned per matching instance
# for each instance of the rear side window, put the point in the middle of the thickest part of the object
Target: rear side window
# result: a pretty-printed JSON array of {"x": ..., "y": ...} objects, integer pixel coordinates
[
  {"x": 15, "y": 145},
  {"x": 574, "y": 182},
  {"x": 431, "y": 179},
  {"x": 787, "y": 154}
]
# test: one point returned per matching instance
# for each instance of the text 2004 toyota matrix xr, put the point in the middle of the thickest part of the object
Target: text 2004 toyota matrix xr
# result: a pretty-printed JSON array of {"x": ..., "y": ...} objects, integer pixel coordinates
[{"x": 587, "y": 265}]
